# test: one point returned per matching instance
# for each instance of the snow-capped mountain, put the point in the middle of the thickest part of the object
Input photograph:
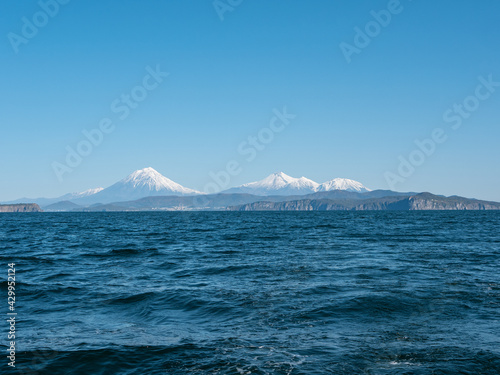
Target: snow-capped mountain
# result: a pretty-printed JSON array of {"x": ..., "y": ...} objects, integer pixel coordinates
[
  {"x": 282, "y": 184},
  {"x": 343, "y": 184},
  {"x": 140, "y": 184},
  {"x": 277, "y": 184},
  {"x": 148, "y": 182}
]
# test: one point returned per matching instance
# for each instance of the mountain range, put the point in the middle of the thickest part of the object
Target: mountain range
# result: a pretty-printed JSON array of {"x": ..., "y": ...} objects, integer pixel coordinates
[
  {"x": 147, "y": 189},
  {"x": 148, "y": 182},
  {"x": 282, "y": 184}
]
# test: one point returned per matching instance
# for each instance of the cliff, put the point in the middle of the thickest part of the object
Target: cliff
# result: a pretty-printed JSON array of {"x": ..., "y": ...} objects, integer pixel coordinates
[
  {"x": 29, "y": 207},
  {"x": 427, "y": 201},
  {"x": 418, "y": 202}
]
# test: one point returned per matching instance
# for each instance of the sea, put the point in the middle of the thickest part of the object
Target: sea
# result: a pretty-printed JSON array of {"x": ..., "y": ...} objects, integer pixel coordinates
[{"x": 252, "y": 292}]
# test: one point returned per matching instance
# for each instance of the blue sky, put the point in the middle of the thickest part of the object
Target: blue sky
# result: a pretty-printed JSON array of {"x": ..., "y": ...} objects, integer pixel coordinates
[{"x": 353, "y": 119}]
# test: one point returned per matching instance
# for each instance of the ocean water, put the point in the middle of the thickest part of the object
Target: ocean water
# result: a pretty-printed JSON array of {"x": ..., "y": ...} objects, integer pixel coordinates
[{"x": 254, "y": 293}]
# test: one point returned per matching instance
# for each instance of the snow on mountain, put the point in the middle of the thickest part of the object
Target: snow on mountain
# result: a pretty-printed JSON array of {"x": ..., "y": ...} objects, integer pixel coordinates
[
  {"x": 90, "y": 192},
  {"x": 140, "y": 184},
  {"x": 148, "y": 182},
  {"x": 86, "y": 193},
  {"x": 282, "y": 184},
  {"x": 277, "y": 184},
  {"x": 343, "y": 184}
]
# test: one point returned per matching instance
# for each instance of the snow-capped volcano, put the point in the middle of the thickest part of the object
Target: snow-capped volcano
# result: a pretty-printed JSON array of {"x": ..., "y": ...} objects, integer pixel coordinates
[
  {"x": 148, "y": 182},
  {"x": 152, "y": 181},
  {"x": 140, "y": 184},
  {"x": 282, "y": 184},
  {"x": 277, "y": 184},
  {"x": 343, "y": 184}
]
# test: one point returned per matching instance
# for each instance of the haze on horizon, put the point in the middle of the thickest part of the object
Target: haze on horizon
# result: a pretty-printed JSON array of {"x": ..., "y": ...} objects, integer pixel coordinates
[{"x": 193, "y": 90}]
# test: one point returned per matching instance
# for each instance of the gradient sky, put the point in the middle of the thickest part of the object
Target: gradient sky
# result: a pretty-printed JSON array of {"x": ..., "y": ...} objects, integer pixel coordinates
[{"x": 353, "y": 119}]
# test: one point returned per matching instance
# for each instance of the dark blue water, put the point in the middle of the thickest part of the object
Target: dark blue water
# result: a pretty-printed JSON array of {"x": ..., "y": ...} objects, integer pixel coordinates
[{"x": 254, "y": 293}]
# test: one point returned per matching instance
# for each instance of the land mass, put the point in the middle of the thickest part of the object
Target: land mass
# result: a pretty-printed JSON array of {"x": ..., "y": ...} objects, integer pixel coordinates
[
  {"x": 148, "y": 190},
  {"x": 28, "y": 207},
  {"x": 418, "y": 202},
  {"x": 377, "y": 200}
]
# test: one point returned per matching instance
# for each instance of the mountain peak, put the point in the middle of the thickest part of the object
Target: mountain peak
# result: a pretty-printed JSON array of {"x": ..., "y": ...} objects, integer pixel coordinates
[
  {"x": 278, "y": 176},
  {"x": 148, "y": 170},
  {"x": 343, "y": 184},
  {"x": 152, "y": 180},
  {"x": 141, "y": 183},
  {"x": 276, "y": 184},
  {"x": 280, "y": 183},
  {"x": 145, "y": 172}
]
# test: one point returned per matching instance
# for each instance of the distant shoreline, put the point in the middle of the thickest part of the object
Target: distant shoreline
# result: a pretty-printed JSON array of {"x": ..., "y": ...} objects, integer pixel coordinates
[{"x": 20, "y": 207}]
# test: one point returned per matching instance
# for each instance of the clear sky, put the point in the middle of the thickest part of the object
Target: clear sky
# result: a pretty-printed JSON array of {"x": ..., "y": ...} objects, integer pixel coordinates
[{"x": 354, "y": 119}]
